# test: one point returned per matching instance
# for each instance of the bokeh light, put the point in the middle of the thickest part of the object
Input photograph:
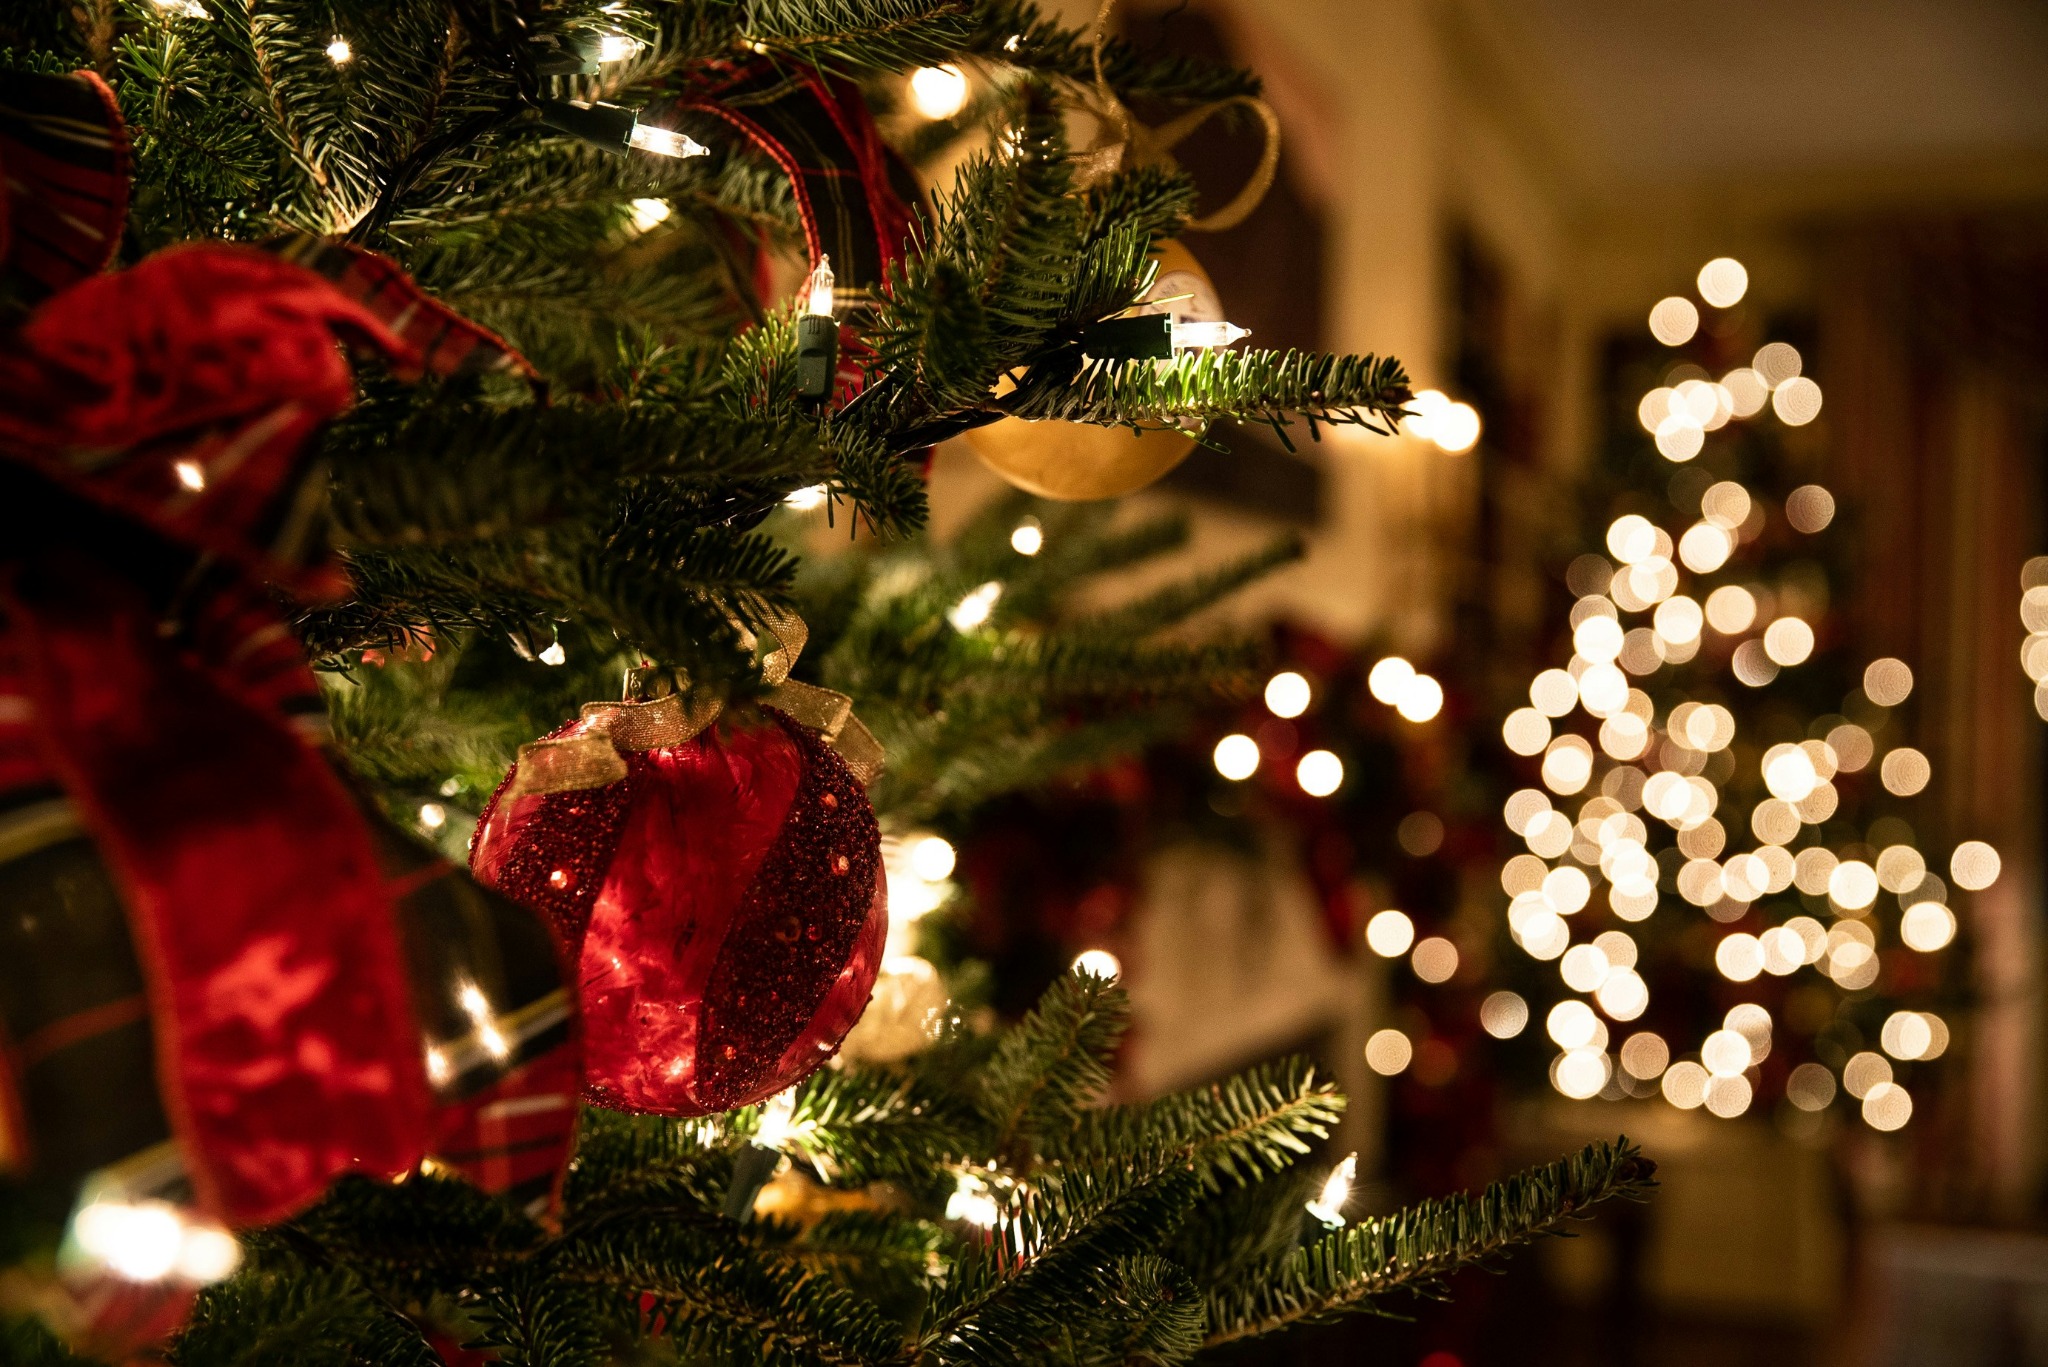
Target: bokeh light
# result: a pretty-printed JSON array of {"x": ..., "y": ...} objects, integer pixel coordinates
[
  {"x": 1888, "y": 681},
  {"x": 1237, "y": 756},
  {"x": 1388, "y": 1052},
  {"x": 1905, "y": 771},
  {"x": 1731, "y": 609},
  {"x": 1927, "y": 927},
  {"x": 1504, "y": 1015},
  {"x": 1685, "y": 1085},
  {"x": 1422, "y": 697},
  {"x": 1777, "y": 362},
  {"x": 1287, "y": 694},
  {"x": 1674, "y": 320},
  {"x": 1809, "y": 508},
  {"x": 1435, "y": 960},
  {"x": 1723, "y": 281},
  {"x": 1390, "y": 933},
  {"x": 1810, "y": 1087},
  {"x": 1388, "y": 678},
  {"x": 1975, "y": 865},
  {"x": 1320, "y": 773},
  {"x": 1796, "y": 402},
  {"x": 1645, "y": 1055},
  {"x": 1887, "y": 1106}
]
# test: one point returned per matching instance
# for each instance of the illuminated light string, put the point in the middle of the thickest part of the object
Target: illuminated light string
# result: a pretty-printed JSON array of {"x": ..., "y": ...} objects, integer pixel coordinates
[{"x": 1642, "y": 770}]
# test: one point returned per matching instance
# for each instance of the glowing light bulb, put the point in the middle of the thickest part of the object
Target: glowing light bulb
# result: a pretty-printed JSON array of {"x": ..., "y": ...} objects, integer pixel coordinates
[
  {"x": 138, "y": 1242},
  {"x": 1192, "y": 336},
  {"x": 933, "y": 858},
  {"x": 972, "y": 1203},
  {"x": 1028, "y": 538},
  {"x": 433, "y": 815},
  {"x": 190, "y": 474},
  {"x": 807, "y": 498},
  {"x": 646, "y": 213},
  {"x": 665, "y": 142},
  {"x": 553, "y": 655},
  {"x": 339, "y": 52},
  {"x": 976, "y": 608},
  {"x": 1098, "y": 963},
  {"x": 938, "y": 92},
  {"x": 1329, "y": 1204},
  {"x": 818, "y": 289},
  {"x": 777, "y": 1121},
  {"x": 617, "y": 47}
]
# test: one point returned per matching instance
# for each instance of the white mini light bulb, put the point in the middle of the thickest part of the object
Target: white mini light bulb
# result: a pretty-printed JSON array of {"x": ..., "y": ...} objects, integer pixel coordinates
[
  {"x": 1329, "y": 1204},
  {"x": 818, "y": 289},
  {"x": 777, "y": 1120},
  {"x": 1192, "y": 335},
  {"x": 617, "y": 47},
  {"x": 666, "y": 142}
]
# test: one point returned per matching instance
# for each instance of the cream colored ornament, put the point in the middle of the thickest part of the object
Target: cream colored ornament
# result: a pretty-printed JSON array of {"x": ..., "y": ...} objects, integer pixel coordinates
[{"x": 1076, "y": 462}]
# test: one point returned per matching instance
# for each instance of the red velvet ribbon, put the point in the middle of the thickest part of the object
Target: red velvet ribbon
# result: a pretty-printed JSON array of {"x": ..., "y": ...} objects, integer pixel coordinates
[
  {"x": 287, "y": 1049},
  {"x": 179, "y": 394}
]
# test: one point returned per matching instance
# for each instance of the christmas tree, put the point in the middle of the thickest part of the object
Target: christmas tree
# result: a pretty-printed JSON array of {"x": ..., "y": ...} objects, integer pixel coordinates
[
  {"x": 1733, "y": 713},
  {"x": 294, "y": 1089}
]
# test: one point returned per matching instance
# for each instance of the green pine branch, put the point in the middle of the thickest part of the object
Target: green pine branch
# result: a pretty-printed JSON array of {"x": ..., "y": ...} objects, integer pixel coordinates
[
  {"x": 1253, "y": 1125},
  {"x": 1017, "y": 32},
  {"x": 1415, "y": 1249},
  {"x": 1249, "y": 386},
  {"x": 879, "y": 35}
]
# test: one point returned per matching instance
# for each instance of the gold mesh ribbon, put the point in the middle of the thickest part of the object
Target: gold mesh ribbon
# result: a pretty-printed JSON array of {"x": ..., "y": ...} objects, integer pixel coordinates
[
  {"x": 588, "y": 760},
  {"x": 595, "y": 755},
  {"x": 668, "y": 720},
  {"x": 1122, "y": 141}
]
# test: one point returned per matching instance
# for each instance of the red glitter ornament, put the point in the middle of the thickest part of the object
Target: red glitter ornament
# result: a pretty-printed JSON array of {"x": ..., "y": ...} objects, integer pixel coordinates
[{"x": 720, "y": 889}]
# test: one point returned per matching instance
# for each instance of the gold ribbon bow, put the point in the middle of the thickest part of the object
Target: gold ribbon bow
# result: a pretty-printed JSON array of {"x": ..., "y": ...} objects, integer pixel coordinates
[
  {"x": 1122, "y": 141},
  {"x": 595, "y": 754}
]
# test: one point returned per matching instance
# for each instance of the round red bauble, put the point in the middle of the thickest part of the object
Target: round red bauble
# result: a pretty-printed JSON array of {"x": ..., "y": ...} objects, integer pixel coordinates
[{"x": 721, "y": 893}]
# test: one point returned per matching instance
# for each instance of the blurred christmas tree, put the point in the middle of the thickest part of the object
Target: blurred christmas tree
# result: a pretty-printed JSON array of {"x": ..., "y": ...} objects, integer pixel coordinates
[
  {"x": 554, "y": 239},
  {"x": 1770, "y": 929}
]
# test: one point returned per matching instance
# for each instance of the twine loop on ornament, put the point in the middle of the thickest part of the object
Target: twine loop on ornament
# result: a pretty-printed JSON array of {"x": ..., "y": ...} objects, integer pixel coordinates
[
  {"x": 593, "y": 755},
  {"x": 1122, "y": 141}
]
